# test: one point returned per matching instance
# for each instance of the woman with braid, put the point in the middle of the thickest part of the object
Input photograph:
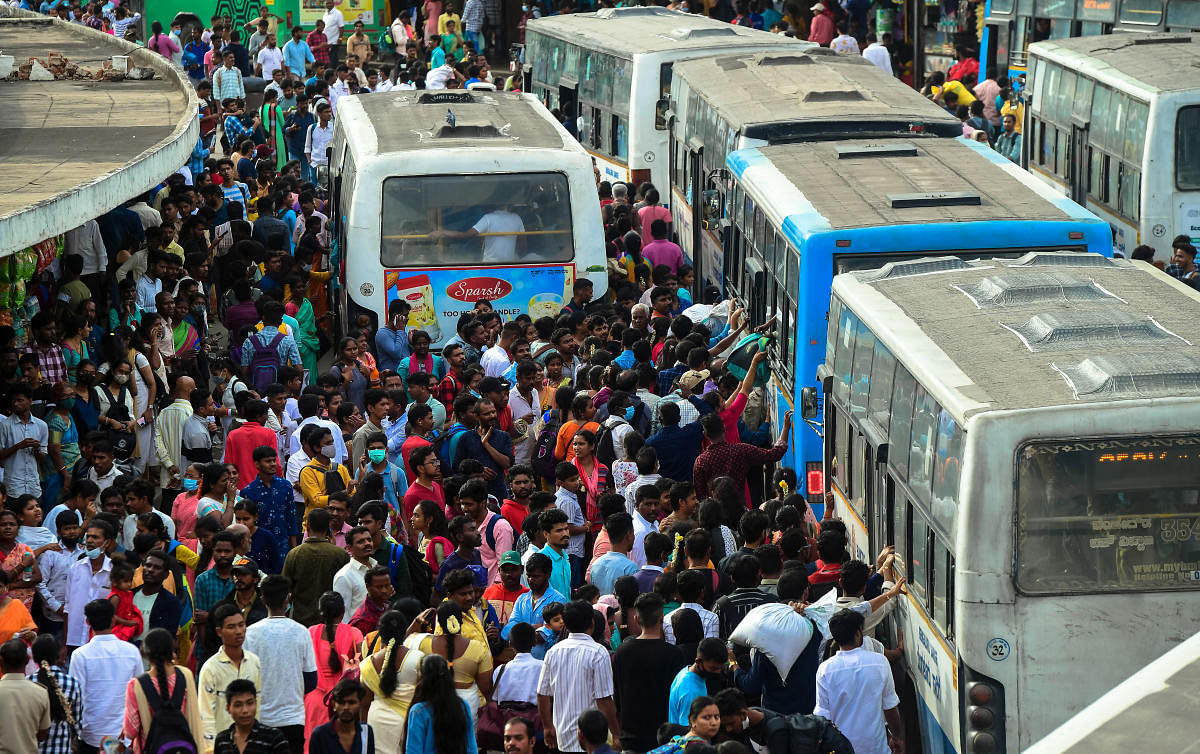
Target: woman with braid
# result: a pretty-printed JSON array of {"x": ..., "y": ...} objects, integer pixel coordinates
[
  {"x": 390, "y": 675},
  {"x": 335, "y": 644},
  {"x": 64, "y": 695}
]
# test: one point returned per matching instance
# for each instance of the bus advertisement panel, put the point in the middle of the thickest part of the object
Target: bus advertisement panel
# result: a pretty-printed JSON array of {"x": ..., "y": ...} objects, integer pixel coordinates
[{"x": 439, "y": 297}]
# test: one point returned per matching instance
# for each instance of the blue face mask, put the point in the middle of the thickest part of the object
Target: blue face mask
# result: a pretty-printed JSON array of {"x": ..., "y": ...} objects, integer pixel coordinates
[
  {"x": 190, "y": 484},
  {"x": 93, "y": 554},
  {"x": 629, "y": 413}
]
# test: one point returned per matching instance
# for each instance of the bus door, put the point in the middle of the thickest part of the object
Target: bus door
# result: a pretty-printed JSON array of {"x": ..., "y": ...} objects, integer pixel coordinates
[
  {"x": 697, "y": 200},
  {"x": 1079, "y": 163},
  {"x": 568, "y": 103}
]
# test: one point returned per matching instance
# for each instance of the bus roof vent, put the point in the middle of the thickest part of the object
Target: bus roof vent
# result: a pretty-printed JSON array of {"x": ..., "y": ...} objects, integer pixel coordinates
[
  {"x": 649, "y": 10},
  {"x": 1028, "y": 288},
  {"x": 834, "y": 95},
  {"x": 1064, "y": 258},
  {"x": 862, "y": 150},
  {"x": 769, "y": 60},
  {"x": 441, "y": 98},
  {"x": 468, "y": 131},
  {"x": 935, "y": 199},
  {"x": 910, "y": 267},
  {"x": 1073, "y": 329},
  {"x": 681, "y": 35},
  {"x": 1161, "y": 39},
  {"x": 1144, "y": 375},
  {"x": 730, "y": 64}
]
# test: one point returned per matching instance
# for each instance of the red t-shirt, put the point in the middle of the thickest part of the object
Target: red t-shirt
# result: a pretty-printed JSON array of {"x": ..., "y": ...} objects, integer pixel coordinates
[
  {"x": 514, "y": 513},
  {"x": 502, "y": 600},
  {"x": 239, "y": 449},
  {"x": 418, "y": 492}
]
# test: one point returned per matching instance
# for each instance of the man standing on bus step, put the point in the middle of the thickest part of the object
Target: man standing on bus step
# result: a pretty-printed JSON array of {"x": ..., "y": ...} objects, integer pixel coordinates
[
  {"x": 662, "y": 251},
  {"x": 320, "y": 134}
]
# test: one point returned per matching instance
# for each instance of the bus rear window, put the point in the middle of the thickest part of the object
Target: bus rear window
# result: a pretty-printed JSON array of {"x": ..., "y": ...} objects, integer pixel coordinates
[
  {"x": 1187, "y": 149},
  {"x": 1119, "y": 514},
  {"x": 450, "y": 220}
]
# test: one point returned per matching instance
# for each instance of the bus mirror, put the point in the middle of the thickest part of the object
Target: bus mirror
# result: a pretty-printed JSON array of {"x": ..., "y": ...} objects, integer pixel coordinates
[
  {"x": 808, "y": 402},
  {"x": 712, "y": 205}
]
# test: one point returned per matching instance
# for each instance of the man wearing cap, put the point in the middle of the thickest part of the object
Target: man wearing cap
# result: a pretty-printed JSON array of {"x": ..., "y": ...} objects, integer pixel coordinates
[
  {"x": 502, "y": 595},
  {"x": 245, "y": 597},
  {"x": 821, "y": 30}
]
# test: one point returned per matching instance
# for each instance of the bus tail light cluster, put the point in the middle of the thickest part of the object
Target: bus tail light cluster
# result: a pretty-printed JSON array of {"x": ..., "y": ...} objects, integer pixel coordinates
[
  {"x": 814, "y": 479},
  {"x": 982, "y": 712},
  {"x": 1075, "y": 235}
]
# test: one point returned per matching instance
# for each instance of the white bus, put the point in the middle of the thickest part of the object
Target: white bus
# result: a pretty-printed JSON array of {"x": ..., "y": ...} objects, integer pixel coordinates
[
  {"x": 444, "y": 198},
  {"x": 1115, "y": 125},
  {"x": 611, "y": 72},
  {"x": 1024, "y": 431},
  {"x": 719, "y": 105}
]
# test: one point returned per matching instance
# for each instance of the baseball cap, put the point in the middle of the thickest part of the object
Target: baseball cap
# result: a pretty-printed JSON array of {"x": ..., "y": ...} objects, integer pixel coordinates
[
  {"x": 243, "y": 563},
  {"x": 817, "y": 6},
  {"x": 692, "y": 379},
  {"x": 512, "y": 557}
]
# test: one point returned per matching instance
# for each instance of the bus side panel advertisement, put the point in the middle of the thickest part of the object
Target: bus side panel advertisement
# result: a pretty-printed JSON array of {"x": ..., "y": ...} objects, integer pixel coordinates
[{"x": 439, "y": 297}]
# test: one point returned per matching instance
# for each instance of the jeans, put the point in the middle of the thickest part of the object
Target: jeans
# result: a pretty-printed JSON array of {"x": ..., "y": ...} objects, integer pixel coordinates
[
  {"x": 477, "y": 39},
  {"x": 576, "y": 571}
]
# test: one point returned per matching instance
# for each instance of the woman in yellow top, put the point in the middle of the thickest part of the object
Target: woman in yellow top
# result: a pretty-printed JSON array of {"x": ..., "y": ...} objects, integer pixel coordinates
[
  {"x": 390, "y": 675},
  {"x": 470, "y": 659},
  {"x": 315, "y": 477}
]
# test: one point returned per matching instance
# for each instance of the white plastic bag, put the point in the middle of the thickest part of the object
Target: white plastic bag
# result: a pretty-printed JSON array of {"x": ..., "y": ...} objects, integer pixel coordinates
[
  {"x": 777, "y": 631},
  {"x": 822, "y": 610}
]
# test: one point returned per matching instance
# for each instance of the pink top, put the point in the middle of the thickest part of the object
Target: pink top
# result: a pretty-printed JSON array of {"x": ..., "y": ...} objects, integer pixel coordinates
[
  {"x": 662, "y": 251},
  {"x": 183, "y": 513},
  {"x": 163, "y": 45},
  {"x": 730, "y": 416},
  {"x": 647, "y": 215}
]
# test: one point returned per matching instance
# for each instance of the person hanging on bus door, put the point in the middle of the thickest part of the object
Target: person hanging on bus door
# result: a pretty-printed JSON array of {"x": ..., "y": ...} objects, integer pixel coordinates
[{"x": 499, "y": 229}]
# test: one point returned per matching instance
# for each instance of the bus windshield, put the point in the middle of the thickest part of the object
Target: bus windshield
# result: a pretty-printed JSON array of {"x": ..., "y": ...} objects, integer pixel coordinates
[
  {"x": 1117, "y": 514},
  {"x": 451, "y": 220}
]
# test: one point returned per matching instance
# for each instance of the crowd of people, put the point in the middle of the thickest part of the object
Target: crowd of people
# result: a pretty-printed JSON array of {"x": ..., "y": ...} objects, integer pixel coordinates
[{"x": 546, "y": 533}]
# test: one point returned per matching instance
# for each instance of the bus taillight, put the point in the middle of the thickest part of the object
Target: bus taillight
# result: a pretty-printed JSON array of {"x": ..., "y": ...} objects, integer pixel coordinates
[
  {"x": 982, "y": 712},
  {"x": 814, "y": 479},
  {"x": 1075, "y": 235}
]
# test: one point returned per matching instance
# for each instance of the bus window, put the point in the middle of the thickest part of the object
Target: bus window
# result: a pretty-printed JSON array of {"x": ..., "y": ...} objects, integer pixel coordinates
[
  {"x": 841, "y": 451},
  {"x": 1131, "y": 186},
  {"x": 1135, "y": 130},
  {"x": 918, "y": 556},
  {"x": 921, "y": 447},
  {"x": 620, "y": 85},
  {"x": 1141, "y": 12},
  {"x": 943, "y": 586},
  {"x": 1100, "y": 115},
  {"x": 664, "y": 91},
  {"x": 844, "y": 356},
  {"x": 903, "y": 396},
  {"x": 621, "y": 136},
  {"x": 947, "y": 471},
  {"x": 1113, "y": 171},
  {"x": 1183, "y": 14},
  {"x": 835, "y": 312},
  {"x": 883, "y": 368},
  {"x": 1107, "y": 514},
  {"x": 1096, "y": 182},
  {"x": 1187, "y": 149},
  {"x": 1082, "y": 106},
  {"x": 436, "y": 220},
  {"x": 864, "y": 350}
]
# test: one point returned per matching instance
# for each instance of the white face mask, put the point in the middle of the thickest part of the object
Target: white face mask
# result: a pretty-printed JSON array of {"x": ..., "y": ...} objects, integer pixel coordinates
[
  {"x": 122, "y": 379},
  {"x": 329, "y": 451}
]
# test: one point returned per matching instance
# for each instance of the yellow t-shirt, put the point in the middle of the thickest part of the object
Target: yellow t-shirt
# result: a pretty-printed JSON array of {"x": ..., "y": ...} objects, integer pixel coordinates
[
  {"x": 1017, "y": 111},
  {"x": 965, "y": 95},
  {"x": 442, "y": 19}
]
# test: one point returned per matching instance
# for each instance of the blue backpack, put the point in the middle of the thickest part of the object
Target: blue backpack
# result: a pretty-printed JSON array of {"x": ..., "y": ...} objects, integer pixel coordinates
[{"x": 450, "y": 444}]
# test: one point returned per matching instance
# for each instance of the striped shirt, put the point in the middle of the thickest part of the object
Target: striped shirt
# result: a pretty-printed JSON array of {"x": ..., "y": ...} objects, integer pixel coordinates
[
  {"x": 575, "y": 673},
  {"x": 733, "y": 607},
  {"x": 263, "y": 739},
  {"x": 227, "y": 82},
  {"x": 62, "y": 733}
]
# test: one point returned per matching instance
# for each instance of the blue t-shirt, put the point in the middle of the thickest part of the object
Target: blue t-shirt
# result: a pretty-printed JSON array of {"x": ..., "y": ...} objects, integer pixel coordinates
[
  {"x": 470, "y": 446},
  {"x": 686, "y": 687},
  {"x": 608, "y": 568}
]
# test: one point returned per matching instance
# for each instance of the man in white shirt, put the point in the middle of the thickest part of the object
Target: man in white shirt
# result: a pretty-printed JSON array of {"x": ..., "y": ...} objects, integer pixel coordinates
[
  {"x": 334, "y": 23},
  {"x": 350, "y": 580},
  {"x": 86, "y": 242},
  {"x": 878, "y": 54},
  {"x": 691, "y": 588},
  {"x": 55, "y": 565},
  {"x": 319, "y": 136},
  {"x": 647, "y": 467},
  {"x": 526, "y": 407},
  {"x": 645, "y": 517},
  {"x": 270, "y": 58},
  {"x": 495, "y": 360},
  {"x": 855, "y": 689},
  {"x": 103, "y": 668},
  {"x": 309, "y": 402},
  {"x": 576, "y": 676},
  {"x": 24, "y": 440},
  {"x": 517, "y": 679},
  {"x": 288, "y": 661}
]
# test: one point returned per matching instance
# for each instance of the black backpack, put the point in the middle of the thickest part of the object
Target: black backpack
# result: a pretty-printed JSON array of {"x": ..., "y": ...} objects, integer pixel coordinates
[
  {"x": 606, "y": 450},
  {"x": 543, "y": 460},
  {"x": 169, "y": 730},
  {"x": 811, "y": 734},
  {"x": 418, "y": 571}
]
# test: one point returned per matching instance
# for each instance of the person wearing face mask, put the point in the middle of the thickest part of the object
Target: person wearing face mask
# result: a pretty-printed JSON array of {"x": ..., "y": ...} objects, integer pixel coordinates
[
  {"x": 322, "y": 475},
  {"x": 85, "y": 412},
  {"x": 395, "y": 481},
  {"x": 183, "y": 510},
  {"x": 115, "y": 405},
  {"x": 87, "y": 580},
  {"x": 63, "y": 447}
]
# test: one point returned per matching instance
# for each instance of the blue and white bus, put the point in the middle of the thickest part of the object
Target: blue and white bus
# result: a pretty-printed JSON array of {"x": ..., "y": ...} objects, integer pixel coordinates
[{"x": 798, "y": 214}]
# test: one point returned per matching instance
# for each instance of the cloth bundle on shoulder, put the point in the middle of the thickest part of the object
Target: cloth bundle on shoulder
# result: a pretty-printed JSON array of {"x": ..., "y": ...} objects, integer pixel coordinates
[{"x": 781, "y": 633}]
